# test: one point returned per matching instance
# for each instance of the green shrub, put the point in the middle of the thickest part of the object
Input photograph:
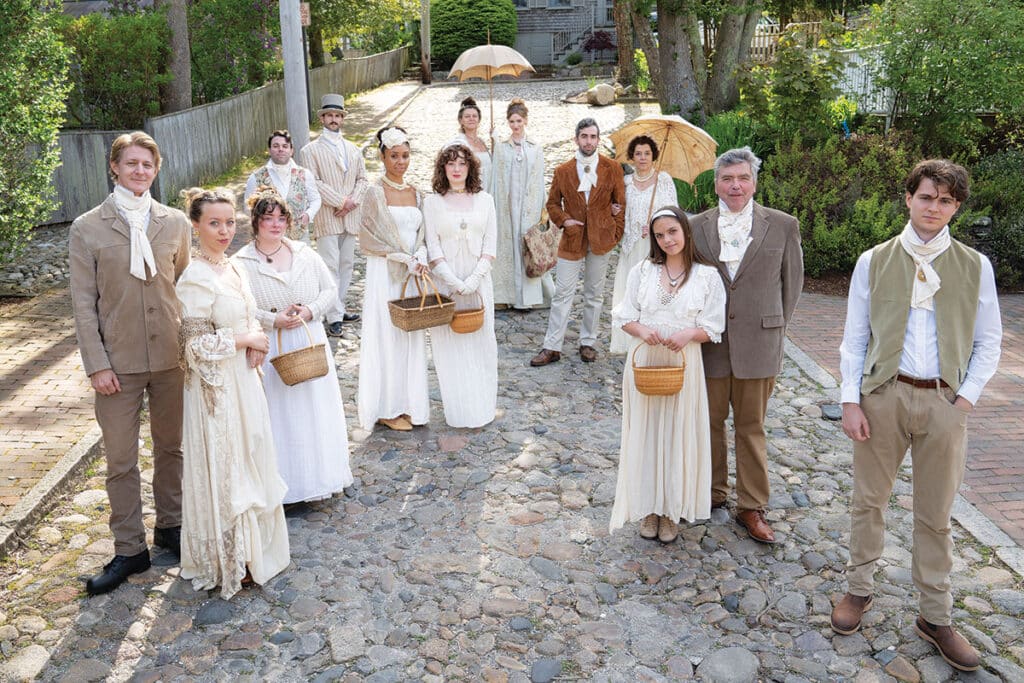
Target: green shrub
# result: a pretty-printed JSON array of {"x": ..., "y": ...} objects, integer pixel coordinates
[
  {"x": 574, "y": 58},
  {"x": 233, "y": 46},
  {"x": 119, "y": 64},
  {"x": 699, "y": 196},
  {"x": 457, "y": 25},
  {"x": 734, "y": 129},
  {"x": 641, "y": 72},
  {"x": 33, "y": 85},
  {"x": 995, "y": 184}
]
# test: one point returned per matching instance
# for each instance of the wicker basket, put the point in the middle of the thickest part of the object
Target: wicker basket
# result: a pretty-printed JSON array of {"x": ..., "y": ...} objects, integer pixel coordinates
[
  {"x": 658, "y": 380},
  {"x": 415, "y": 312},
  {"x": 302, "y": 364},
  {"x": 469, "y": 320}
]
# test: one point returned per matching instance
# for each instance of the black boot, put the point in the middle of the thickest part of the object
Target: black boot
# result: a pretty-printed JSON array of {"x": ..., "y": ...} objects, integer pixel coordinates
[
  {"x": 168, "y": 539},
  {"x": 116, "y": 571}
]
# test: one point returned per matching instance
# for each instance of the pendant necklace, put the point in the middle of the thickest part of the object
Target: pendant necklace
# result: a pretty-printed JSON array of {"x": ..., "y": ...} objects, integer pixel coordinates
[
  {"x": 665, "y": 298},
  {"x": 519, "y": 149},
  {"x": 674, "y": 281},
  {"x": 267, "y": 256},
  {"x": 222, "y": 261},
  {"x": 393, "y": 185}
]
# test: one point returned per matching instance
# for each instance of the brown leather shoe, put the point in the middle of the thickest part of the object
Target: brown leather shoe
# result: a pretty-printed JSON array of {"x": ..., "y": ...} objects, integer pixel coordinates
[
  {"x": 544, "y": 357},
  {"x": 588, "y": 354},
  {"x": 756, "y": 525},
  {"x": 649, "y": 527},
  {"x": 953, "y": 647},
  {"x": 847, "y": 613},
  {"x": 668, "y": 530}
]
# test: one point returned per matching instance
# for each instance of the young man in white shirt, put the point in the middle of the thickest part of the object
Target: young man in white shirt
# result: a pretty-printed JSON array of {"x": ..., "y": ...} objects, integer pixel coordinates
[{"x": 921, "y": 341}]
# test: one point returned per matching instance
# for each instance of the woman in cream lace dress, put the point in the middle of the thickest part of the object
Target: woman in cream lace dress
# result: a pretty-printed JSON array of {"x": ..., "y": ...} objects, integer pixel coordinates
[
  {"x": 636, "y": 244},
  {"x": 233, "y": 527}
]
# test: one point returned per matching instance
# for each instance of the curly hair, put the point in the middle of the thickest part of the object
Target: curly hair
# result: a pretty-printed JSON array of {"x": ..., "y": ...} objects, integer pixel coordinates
[
  {"x": 452, "y": 152},
  {"x": 195, "y": 198},
  {"x": 945, "y": 174},
  {"x": 262, "y": 202},
  {"x": 642, "y": 140}
]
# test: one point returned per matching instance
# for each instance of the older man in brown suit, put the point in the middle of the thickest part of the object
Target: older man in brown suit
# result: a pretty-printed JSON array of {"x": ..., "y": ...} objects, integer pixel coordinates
[
  {"x": 757, "y": 252},
  {"x": 126, "y": 255},
  {"x": 584, "y": 192}
]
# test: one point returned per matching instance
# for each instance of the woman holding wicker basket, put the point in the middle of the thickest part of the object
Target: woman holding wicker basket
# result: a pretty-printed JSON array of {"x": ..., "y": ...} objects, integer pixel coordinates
[
  {"x": 293, "y": 290},
  {"x": 674, "y": 302},
  {"x": 392, "y": 362}
]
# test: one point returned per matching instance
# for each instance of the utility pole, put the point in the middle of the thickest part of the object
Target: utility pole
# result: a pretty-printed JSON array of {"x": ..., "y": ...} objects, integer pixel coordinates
[
  {"x": 296, "y": 100},
  {"x": 425, "y": 73}
]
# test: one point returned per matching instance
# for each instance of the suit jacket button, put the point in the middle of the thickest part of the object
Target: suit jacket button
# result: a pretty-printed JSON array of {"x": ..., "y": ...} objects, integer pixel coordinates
[
  {"x": 273, "y": 310},
  {"x": 732, "y": 316}
]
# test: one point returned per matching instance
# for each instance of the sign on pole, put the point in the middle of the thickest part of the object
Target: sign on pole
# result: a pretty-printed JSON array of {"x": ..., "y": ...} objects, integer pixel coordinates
[{"x": 304, "y": 14}]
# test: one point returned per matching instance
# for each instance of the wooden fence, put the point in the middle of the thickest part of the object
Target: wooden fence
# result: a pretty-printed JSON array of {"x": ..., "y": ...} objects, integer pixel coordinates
[{"x": 202, "y": 142}]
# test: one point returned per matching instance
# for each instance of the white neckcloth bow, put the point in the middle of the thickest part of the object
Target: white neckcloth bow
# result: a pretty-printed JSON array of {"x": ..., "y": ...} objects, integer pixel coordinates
[
  {"x": 926, "y": 280},
  {"x": 135, "y": 211},
  {"x": 734, "y": 233},
  {"x": 338, "y": 142},
  {"x": 588, "y": 179}
]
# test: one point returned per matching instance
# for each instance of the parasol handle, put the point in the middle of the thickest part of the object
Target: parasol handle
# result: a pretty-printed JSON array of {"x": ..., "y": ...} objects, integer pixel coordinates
[{"x": 654, "y": 190}]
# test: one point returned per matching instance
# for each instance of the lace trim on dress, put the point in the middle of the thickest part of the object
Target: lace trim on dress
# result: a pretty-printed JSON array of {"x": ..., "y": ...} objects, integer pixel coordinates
[{"x": 202, "y": 347}]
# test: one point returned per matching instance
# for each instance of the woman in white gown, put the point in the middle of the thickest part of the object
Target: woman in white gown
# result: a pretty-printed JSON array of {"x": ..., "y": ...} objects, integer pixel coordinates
[
  {"x": 233, "y": 527},
  {"x": 291, "y": 284},
  {"x": 636, "y": 244},
  {"x": 517, "y": 182},
  {"x": 673, "y": 304},
  {"x": 392, "y": 362},
  {"x": 469, "y": 126},
  {"x": 461, "y": 234}
]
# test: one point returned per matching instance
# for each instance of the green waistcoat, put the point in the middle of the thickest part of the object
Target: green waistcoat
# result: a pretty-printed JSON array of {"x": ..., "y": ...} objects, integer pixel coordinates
[{"x": 890, "y": 283}]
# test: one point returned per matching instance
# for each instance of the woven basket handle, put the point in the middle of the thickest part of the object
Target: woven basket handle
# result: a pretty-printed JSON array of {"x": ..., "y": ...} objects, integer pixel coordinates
[
  {"x": 309, "y": 335},
  {"x": 637, "y": 348}
]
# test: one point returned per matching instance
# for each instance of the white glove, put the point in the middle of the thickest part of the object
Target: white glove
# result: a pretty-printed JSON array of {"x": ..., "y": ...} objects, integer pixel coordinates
[
  {"x": 472, "y": 283},
  {"x": 399, "y": 257},
  {"x": 444, "y": 271}
]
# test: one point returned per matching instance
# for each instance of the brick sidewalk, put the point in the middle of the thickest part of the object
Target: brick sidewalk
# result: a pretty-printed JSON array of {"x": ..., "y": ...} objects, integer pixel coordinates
[{"x": 995, "y": 474}]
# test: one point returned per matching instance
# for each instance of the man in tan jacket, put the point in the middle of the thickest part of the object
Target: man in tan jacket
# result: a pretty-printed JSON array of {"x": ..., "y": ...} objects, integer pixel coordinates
[
  {"x": 341, "y": 179},
  {"x": 583, "y": 192},
  {"x": 757, "y": 252},
  {"x": 126, "y": 255}
]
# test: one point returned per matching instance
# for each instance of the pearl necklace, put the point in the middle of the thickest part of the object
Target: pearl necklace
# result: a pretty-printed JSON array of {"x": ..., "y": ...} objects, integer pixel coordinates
[
  {"x": 393, "y": 185},
  {"x": 638, "y": 179},
  {"x": 256, "y": 246},
  {"x": 222, "y": 261}
]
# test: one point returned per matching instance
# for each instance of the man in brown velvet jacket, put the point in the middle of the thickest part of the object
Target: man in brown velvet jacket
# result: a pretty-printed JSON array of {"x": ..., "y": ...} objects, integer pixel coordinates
[{"x": 583, "y": 191}]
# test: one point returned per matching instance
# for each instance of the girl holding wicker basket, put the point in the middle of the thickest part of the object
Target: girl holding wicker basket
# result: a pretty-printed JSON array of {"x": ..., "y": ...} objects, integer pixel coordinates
[{"x": 674, "y": 302}]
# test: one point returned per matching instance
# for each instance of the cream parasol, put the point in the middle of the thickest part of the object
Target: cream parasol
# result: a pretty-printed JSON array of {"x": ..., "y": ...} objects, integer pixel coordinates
[
  {"x": 488, "y": 61},
  {"x": 684, "y": 150}
]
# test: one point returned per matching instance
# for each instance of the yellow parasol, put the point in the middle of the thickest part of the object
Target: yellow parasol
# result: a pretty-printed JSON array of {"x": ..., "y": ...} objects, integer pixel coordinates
[{"x": 684, "y": 150}]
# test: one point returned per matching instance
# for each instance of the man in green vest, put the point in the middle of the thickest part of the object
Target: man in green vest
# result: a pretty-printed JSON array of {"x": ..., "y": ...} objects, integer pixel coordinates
[{"x": 921, "y": 341}]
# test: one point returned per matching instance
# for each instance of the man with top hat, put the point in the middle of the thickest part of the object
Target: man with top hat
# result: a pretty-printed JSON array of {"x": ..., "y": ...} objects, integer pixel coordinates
[{"x": 341, "y": 179}]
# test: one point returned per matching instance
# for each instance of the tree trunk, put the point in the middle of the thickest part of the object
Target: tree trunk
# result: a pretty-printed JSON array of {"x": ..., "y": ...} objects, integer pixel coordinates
[
  {"x": 732, "y": 48},
  {"x": 624, "y": 36},
  {"x": 177, "y": 95},
  {"x": 646, "y": 39},
  {"x": 697, "y": 57},
  {"x": 315, "y": 38},
  {"x": 677, "y": 89}
]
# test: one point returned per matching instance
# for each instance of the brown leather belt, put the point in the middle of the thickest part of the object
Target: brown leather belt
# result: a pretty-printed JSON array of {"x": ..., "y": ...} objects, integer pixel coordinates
[{"x": 922, "y": 383}]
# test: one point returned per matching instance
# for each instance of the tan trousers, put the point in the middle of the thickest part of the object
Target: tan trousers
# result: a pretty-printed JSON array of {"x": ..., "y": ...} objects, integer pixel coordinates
[
  {"x": 925, "y": 421},
  {"x": 119, "y": 418},
  {"x": 749, "y": 401}
]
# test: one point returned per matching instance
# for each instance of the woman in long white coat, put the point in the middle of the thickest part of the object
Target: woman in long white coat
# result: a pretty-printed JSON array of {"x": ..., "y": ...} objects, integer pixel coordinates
[
  {"x": 461, "y": 236},
  {"x": 517, "y": 184},
  {"x": 640, "y": 204}
]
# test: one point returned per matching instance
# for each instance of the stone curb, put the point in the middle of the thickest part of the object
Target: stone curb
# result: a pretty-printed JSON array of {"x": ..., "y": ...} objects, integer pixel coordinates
[
  {"x": 966, "y": 515},
  {"x": 34, "y": 505}
]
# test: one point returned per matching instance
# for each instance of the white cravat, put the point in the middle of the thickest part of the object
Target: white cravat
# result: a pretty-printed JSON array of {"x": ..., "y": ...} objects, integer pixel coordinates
[
  {"x": 281, "y": 176},
  {"x": 926, "y": 280},
  {"x": 338, "y": 142},
  {"x": 586, "y": 168},
  {"x": 734, "y": 234},
  {"x": 136, "y": 213}
]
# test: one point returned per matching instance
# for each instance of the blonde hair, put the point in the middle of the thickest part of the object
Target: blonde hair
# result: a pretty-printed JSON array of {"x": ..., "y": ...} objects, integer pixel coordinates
[
  {"x": 516, "y": 106},
  {"x": 196, "y": 198},
  {"x": 123, "y": 142}
]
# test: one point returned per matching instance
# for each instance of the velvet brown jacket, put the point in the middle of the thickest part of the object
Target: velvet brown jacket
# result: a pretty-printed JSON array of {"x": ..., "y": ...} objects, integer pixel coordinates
[{"x": 600, "y": 231}]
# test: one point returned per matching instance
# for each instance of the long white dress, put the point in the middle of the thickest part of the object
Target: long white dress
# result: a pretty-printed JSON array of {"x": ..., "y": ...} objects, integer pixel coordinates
[
  {"x": 517, "y": 182},
  {"x": 392, "y": 362},
  {"x": 634, "y": 247},
  {"x": 232, "y": 517},
  {"x": 466, "y": 364},
  {"x": 665, "y": 453},
  {"x": 308, "y": 418}
]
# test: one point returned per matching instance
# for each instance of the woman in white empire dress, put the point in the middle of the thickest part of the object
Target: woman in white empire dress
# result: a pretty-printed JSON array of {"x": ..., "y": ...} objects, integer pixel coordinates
[
  {"x": 469, "y": 127},
  {"x": 636, "y": 244},
  {"x": 392, "y": 362},
  {"x": 461, "y": 235},
  {"x": 673, "y": 304},
  {"x": 517, "y": 183},
  {"x": 291, "y": 284},
  {"x": 233, "y": 528}
]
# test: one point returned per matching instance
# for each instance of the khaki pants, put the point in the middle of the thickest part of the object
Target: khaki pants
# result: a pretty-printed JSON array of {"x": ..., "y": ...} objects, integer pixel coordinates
[
  {"x": 119, "y": 418},
  {"x": 749, "y": 401},
  {"x": 901, "y": 416}
]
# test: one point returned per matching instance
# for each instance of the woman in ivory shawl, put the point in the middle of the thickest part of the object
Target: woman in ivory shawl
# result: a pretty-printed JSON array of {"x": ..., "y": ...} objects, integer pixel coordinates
[
  {"x": 392, "y": 362},
  {"x": 518, "y": 189}
]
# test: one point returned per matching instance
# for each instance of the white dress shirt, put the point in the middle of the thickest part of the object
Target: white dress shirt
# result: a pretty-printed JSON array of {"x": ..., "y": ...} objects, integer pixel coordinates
[
  {"x": 920, "y": 356},
  {"x": 283, "y": 183}
]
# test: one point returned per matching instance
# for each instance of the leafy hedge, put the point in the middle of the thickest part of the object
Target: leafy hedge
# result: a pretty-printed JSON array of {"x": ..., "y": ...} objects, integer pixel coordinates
[
  {"x": 233, "y": 46},
  {"x": 457, "y": 25}
]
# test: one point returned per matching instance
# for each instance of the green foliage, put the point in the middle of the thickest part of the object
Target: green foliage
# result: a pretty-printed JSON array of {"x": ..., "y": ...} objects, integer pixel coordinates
[
  {"x": 574, "y": 58},
  {"x": 642, "y": 73},
  {"x": 841, "y": 109},
  {"x": 793, "y": 96},
  {"x": 699, "y": 196},
  {"x": 946, "y": 62},
  {"x": 995, "y": 193},
  {"x": 233, "y": 46},
  {"x": 734, "y": 129},
  {"x": 847, "y": 195},
  {"x": 374, "y": 25},
  {"x": 119, "y": 64},
  {"x": 33, "y": 85},
  {"x": 457, "y": 25}
]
